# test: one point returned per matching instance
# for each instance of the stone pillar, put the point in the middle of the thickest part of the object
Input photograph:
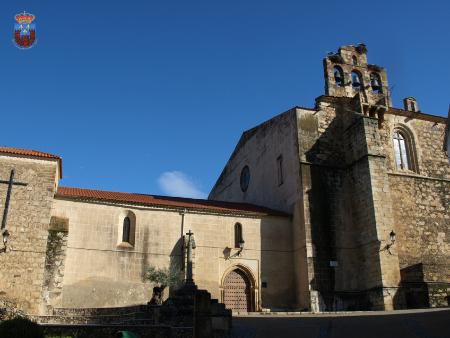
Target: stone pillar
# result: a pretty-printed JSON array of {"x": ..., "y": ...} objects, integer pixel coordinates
[{"x": 378, "y": 272}]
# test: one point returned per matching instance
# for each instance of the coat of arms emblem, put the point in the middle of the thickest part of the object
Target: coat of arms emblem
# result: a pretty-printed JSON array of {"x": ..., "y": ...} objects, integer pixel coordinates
[{"x": 24, "y": 30}]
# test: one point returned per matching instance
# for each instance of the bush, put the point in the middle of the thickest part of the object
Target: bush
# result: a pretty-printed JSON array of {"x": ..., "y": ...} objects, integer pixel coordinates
[{"x": 20, "y": 328}]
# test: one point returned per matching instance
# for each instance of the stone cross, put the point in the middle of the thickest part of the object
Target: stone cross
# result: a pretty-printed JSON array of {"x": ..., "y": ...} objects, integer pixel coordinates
[
  {"x": 10, "y": 183},
  {"x": 190, "y": 247}
]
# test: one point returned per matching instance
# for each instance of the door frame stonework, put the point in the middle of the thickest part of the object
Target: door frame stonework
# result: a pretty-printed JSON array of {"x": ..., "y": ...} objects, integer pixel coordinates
[{"x": 254, "y": 303}]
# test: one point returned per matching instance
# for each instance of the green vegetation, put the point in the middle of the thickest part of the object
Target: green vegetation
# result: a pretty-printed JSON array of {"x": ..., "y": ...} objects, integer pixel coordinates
[
  {"x": 162, "y": 278},
  {"x": 20, "y": 328}
]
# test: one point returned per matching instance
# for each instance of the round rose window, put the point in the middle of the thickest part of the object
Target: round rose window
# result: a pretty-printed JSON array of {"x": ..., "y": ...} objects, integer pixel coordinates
[{"x": 245, "y": 178}]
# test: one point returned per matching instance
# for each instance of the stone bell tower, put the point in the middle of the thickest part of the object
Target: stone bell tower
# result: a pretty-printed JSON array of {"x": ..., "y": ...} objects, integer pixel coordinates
[{"x": 347, "y": 74}]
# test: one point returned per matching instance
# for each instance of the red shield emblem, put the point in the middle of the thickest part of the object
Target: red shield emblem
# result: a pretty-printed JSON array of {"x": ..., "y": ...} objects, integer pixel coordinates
[{"x": 24, "y": 30}]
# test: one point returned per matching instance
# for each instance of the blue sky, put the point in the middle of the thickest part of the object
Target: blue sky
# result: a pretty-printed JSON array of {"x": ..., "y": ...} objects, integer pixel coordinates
[{"x": 152, "y": 96}]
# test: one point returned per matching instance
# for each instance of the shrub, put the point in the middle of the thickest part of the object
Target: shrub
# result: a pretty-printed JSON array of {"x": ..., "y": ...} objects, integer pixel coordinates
[
  {"x": 162, "y": 278},
  {"x": 20, "y": 328}
]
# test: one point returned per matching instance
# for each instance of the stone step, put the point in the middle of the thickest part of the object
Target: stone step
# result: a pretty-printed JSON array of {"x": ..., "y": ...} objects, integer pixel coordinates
[
  {"x": 99, "y": 311},
  {"x": 98, "y": 319}
]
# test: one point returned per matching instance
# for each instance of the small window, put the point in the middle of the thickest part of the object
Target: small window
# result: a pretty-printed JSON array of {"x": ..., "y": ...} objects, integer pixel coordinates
[
  {"x": 356, "y": 80},
  {"x": 413, "y": 106},
  {"x": 238, "y": 239},
  {"x": 354, "y": 60},
  {"x": 375, "y": 82},
  {"x": 126, "y": 230},
  {"x": 338, "y": 76},
  {"x": 245, "y": 178},
  {"x": 280, "y": 169},
  {"x": 402, "y": 158}
]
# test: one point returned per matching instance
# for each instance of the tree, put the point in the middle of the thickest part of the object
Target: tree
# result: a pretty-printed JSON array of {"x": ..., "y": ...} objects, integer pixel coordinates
[{"x": 162, "y": 277}]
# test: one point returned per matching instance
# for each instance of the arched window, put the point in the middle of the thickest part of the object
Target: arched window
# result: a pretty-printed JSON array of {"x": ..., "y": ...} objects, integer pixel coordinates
[
  {"x": 375, "y": 82},
  {"x": 238, "y": 239},
  {"x": 338, "y": 76},
  {"x": 356, "y": 80},
  {"x": 405, "y": 156},
  {"x": 354, "y": 60},
  {"x": 126, "y": 230}
]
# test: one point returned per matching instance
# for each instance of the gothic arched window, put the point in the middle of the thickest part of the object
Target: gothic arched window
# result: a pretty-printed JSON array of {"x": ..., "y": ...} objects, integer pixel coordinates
[
  {"x": 338, "y": 76},
  {"x": 405, "y": 156},
  {"x": 238, "y": 239},
  {"x": 354, "y": 60},
  {"x": 356, "y": 80},
  {"x": 375, "y": 82},
  {"x": 126, "y": 230}
]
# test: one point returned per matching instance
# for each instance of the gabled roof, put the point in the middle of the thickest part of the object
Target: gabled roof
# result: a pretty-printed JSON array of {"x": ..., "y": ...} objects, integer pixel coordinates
[
  {"x": 32, "y": 153},
  {"x": 179, "y": 203}
]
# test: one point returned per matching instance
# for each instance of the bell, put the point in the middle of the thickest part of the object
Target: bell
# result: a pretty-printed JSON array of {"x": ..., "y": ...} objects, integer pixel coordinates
[
  {"x": 337, "y": 77},
  {"x": 356, "y": 82},
  {"x": 375, "y": 83}
]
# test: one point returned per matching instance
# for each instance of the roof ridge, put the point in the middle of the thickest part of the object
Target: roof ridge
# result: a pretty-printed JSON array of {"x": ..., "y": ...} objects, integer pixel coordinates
[
  {"x": 170, "y": 201},
  {"x": 25, "y": 151},
  {"x": 32, "y": 153}
]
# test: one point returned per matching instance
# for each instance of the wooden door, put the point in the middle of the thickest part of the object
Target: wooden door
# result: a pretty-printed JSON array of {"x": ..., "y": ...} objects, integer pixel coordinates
[{"x": 237, "y": 291}]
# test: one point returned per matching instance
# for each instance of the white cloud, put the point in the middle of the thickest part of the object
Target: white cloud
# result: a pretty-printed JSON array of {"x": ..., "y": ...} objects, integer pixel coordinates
[{"x": 176, "y": 183}]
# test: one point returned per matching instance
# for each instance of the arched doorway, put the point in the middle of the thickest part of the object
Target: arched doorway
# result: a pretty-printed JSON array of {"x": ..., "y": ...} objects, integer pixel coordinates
[{"x": 238, "y": 291}]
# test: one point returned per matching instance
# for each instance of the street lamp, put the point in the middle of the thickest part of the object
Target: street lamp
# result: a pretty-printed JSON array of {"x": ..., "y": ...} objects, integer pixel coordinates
[
  {"x": 392, "y": 238},
  {"x": 241, "y": 247},
  {"x": 5, "y": 235}
]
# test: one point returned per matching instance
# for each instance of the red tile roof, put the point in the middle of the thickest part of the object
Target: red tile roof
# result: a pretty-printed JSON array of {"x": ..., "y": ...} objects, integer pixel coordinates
[
  {"x": 165, "y": 201},
  {"x": 31, "y": 153},
  {"x": 27, "y": 152}
]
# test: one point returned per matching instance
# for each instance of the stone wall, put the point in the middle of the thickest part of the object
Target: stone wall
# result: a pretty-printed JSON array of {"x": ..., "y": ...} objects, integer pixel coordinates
[
  {"x": 347, "y": 215},
  {"x": 421, "y": 204},
  {"x": 101, "y": 272},
  {"x": 259, "y": 149},
  {"x": 423, "y": 231},
  {"x": 55, "y": 262},
  {"x": 22, "y": 266}
]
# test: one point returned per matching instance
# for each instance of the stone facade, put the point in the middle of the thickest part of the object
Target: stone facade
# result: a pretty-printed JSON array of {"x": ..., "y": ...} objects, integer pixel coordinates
[
  {"x": 99, "y": 271},
  {"x": 22, "y": 266},
  {"x": 344, "y": 206},
  {"x": 350, "y": 195}
]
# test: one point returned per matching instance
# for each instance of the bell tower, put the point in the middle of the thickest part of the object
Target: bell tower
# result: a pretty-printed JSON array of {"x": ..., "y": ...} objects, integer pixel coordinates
[{"x": 347, "y": 74}]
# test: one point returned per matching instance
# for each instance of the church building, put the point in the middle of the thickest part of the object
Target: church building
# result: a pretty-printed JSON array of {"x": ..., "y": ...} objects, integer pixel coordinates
[{"x": 343, "y": 205}]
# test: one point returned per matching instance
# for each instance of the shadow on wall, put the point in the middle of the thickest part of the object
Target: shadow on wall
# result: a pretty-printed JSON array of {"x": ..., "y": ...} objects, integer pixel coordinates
[
  {"x": 322, "y": 184},
  {"x": 413, "y": 291},
  {"x": 165, "y": 284},
  {"x": 336, "y": 184},
  {"x": 277, "y": 286},
  {"x": 176, "y": 264}
]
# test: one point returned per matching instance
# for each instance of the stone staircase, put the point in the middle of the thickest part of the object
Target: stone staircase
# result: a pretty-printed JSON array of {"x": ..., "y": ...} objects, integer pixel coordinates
[
  {"x": 132, "y": 315},
  {"x": 189, "y": 311}
]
